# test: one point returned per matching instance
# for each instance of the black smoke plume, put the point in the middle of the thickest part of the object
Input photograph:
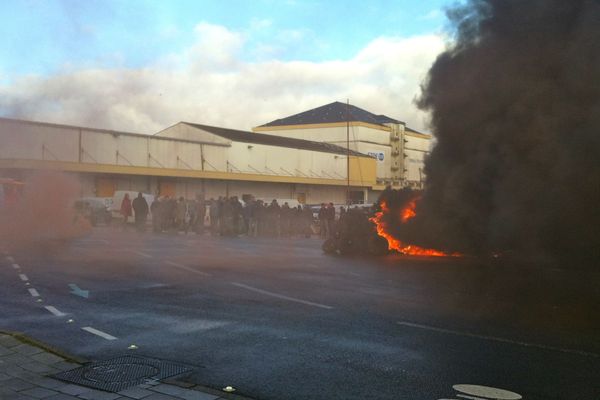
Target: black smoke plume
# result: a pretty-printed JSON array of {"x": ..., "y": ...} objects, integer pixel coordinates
[{"x": 515, "y": 105}]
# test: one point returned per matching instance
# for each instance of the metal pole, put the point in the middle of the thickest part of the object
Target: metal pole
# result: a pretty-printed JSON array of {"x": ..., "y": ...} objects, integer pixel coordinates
[{"x": 347, "y": 151}]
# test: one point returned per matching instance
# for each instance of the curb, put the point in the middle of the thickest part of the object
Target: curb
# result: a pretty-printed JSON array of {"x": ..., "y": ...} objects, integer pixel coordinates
[
  {"x": 34, "y": 342},
  {"x": 206, "y": 389},
  {"x": 78, "y": 360}
]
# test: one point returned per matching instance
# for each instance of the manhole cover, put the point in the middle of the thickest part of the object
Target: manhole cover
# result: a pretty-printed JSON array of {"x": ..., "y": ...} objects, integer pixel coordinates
[{"x": 121, "y": 373}]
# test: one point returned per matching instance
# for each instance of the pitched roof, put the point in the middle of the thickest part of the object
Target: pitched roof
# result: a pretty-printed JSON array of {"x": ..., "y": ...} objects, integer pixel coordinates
[
  {"x": 333, "y": 112},
  {"x": 272, "y": 140},
  {"x": 415, "y": 131}
]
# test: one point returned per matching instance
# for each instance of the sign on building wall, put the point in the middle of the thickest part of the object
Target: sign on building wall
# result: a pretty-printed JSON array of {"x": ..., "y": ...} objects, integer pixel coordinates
[{"x": 378, "y": 155}]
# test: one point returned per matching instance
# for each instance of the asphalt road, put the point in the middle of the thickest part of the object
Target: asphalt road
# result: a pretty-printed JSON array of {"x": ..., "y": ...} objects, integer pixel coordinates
[{"x": 277, "y": 319}]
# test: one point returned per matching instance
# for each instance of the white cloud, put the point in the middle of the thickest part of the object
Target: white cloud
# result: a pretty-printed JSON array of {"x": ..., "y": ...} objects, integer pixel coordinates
[
  {"x": 216, "y": 47},
  {"x": 436, "y": 13},
  {"x": 260, "y": 24},
  {"x": 209, "y": 83}
]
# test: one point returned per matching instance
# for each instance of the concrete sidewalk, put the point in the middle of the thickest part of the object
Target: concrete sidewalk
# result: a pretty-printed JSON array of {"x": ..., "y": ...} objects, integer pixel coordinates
[{"x": 26, "y": 364}]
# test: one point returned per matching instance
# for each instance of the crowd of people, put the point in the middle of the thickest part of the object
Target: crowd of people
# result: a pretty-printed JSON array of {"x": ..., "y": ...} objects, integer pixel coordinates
[{"x": 228, "y": 216}]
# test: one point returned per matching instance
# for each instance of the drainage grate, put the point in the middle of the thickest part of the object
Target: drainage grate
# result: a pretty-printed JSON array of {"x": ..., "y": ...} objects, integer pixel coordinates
[{"x": 121, "y": 373}]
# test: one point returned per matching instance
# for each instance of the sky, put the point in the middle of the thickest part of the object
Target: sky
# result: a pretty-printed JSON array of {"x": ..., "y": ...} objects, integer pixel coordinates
[{"x": 141, "y": 66}]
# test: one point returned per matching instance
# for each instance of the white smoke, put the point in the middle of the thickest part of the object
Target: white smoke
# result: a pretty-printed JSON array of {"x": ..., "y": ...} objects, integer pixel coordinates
[{"x": 210, "y": 83}]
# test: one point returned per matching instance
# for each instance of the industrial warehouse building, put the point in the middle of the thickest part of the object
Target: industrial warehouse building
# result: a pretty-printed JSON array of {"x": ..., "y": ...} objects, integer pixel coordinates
[
  {"x": 399, "y": 150},
  {"x": 205, "y": 160},
  {"x": 291, "y": 158}
]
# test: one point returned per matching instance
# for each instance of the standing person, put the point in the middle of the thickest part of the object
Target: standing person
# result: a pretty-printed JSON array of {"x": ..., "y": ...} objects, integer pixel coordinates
[
  {"x": 213, "y": 213},
  {"x": 190, "y": 215},
  {"x": 342, "y": 212},
  {"x": 323, "y": 221},
  {"x": 165, "y": 214},
  {"x": 260, "y": 215},
  {"x": 237, "y": 213},
  {"x": 297, "y": 224},
  {"x": 171, "y": 214},
  {"x": 285, "y": 219},
  {"x": 223, "y": 214},
  {"x": 307, "y": 220},
  {"x": 253, "y": 218},
  {"x": 181, "y": 211},
  {"x": 249, "y": 216},
  {"x": 126, "y": 209},
  {"x": 200, "y": 213},
  {"x": 274, "y": 215},
  {"x": 330, "y": 220},
  {"x": 140, "y": 207},
  {"x": 226, "y": 218},
  {"x": 155, "y": 209}
]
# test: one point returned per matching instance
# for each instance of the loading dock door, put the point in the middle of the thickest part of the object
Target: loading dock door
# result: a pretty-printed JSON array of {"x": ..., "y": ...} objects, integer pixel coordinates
[
  {"x": 167, "y": 189},
  {"x": 105, "y": 187}
]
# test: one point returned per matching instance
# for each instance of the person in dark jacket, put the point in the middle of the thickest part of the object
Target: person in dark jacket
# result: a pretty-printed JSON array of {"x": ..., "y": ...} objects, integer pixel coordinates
[
  {"x": 273, "y": 218},
  {"x": 155, "y": 209},
  {"x": 307, "y": 221},
  {"x": 285, "y": 219},
  {"x": 140, "y": 207},
  {"x": 330, "y": 220},
  {"x": 323, "y": 221}
]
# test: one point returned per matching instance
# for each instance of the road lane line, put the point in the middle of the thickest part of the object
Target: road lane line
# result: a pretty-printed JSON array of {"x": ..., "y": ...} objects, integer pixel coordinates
[
  {"x": 141, "y": 254},
  {"x": 55, "y": 311},
  {"x": 23, "y": 277},
  {"x": 195, "y": 271},
  {"x": 96, "y": 332},
  {"x": 281, "y": 296},
  {"x": 16, "y": 266},
  {"x": 464, "y": 396},
  {"x": 496, "y": 339},
  {"x": 10, "y": 259},
  {"x": 33, "y": 292},
  {"x": 93, "y": 241}
]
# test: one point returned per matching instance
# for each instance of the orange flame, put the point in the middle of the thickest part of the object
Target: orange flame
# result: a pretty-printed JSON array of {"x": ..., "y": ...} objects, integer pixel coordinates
[{"x": 406, "y": 213}]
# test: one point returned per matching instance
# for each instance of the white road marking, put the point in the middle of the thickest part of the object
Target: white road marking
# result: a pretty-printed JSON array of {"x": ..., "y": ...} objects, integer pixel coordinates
[
  {"x": 497, "y": 339},
  {"x": 33, "y": 292},
  {"x": 16, "y": 266},
  {"x": 196, "y": 325},
  {"x": 96, "y": 332},
  {"x": 23, "y": 277},
  {"x": 10, "y": 259},
  {"x": 93, "y": 241},
  {"x": 141, "y": 254},
  {"x": 280, "y": 296},
  {"x": 195, "y": 271},
  {"x": 485, "y": 391},
  {"x": 237, "y": 251},
  {"x": 55, "y": 311},
  {"x": 464, "y": 396}
]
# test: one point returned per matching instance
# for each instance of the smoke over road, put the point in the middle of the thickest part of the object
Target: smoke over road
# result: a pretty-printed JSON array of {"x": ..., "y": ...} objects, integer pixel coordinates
[
  {"x": 43, "y": 216},
  {"x": 516, "y": 114}
]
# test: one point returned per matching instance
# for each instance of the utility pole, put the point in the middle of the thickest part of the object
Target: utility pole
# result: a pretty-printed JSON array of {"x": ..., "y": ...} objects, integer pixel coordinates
[{"x": 348, "y": 152}]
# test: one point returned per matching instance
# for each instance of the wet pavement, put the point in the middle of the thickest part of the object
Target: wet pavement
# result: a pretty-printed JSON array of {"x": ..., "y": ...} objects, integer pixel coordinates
[
  {"x": 27, "y": 372},
  {"x": 277, "y": 319}
]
